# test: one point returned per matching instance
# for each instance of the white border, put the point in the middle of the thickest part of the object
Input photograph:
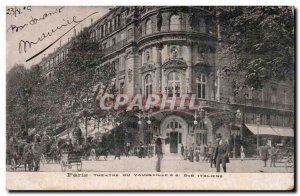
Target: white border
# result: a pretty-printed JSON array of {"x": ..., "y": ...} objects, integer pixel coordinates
[{"x": 105, "y": 3}]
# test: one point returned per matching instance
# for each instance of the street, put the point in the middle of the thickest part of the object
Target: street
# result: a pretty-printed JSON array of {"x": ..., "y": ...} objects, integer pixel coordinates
[{"x": 170, "y": 163}]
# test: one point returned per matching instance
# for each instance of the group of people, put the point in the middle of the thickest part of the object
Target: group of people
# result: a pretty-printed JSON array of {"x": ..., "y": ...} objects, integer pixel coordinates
[
  {"x": 216, "y": 154},
  {"x": 266, "y": 152},
  {"x": 197, "y": 153},
  {"x": 28, "y": 152},
  {"x": 144, "y": 150}
]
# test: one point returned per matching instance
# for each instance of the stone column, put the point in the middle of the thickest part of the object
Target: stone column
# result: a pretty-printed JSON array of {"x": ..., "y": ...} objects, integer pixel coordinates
[
  {"x": 189, "y": 69},
  {"x": 140, "y": 79},
  {"x": 118, "y": 72},
  {"x": 158, "y": 73}
]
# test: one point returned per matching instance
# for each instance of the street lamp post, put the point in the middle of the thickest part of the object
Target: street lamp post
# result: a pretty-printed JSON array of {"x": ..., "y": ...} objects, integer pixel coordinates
[
  {"x": 239, "y": 121},
  {"x": 257, "y": 123},
  {"x": 234, "y": 136},
  {"x": 140, "y": 116}
]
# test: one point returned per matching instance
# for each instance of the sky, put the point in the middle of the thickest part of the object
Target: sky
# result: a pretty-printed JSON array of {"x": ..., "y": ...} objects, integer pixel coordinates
[{"x": 34, "y": 29}]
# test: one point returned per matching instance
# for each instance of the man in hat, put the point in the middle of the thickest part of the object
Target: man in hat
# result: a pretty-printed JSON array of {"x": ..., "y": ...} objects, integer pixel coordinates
[
  {"x": 158, "y": 152},
  {"x": 221, "y": 153}
]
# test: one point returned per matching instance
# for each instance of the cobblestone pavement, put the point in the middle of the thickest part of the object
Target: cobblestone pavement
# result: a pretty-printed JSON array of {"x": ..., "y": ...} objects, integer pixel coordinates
[{"x": 170, "y": 163}]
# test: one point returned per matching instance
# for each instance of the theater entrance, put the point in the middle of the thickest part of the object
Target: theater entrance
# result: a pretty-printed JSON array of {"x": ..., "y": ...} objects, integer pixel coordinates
[
  {"x": 174, "y": 142},
  {"x": 174, "y": 130}
]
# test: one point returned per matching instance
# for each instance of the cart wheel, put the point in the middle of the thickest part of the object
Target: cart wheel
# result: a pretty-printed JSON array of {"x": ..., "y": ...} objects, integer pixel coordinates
[
  {"x": 13, "y": 164},
  {"x": 289, "y": 164},
  {"x": 63, "y": 166},
  {"x": 79, "y": 166}
]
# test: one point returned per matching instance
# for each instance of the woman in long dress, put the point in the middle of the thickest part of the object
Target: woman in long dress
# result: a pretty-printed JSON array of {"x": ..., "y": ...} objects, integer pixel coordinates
[{"x": 242, "y": 153}]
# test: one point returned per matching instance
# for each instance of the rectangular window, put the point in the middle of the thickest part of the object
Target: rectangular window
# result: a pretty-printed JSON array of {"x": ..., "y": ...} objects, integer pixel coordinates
[
  {"x": 109, "y": 26},
  {"x": 130, "y": 33},
  {"x": 101, "y": 31},
  {"x": 113, "y": 27},
  {"x": 113, "y": 41},
  {"x": 201, "y": 138},
  {"x": 122, "y": 88},
  {"x": 180, "y": 138},
  {"x": 273, "y": 95},
  {"x": 123, "y": 35},
  {"x": 201, "y": 86}
]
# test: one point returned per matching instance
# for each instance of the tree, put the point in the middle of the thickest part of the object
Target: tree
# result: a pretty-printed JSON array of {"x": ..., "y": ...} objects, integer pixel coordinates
[
  {"x": 23, "y": 102},
  {"x": 261, "y": 42},
  {"x": 77, "y": 81}
]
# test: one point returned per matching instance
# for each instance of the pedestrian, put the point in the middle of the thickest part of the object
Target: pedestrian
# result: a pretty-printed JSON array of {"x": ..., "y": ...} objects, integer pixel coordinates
[
  {"x": 209, "y": 151},
  {"x": 186, "y": 153},
  {"x": 197, "y": 154},
  {"x": 182, "y": 150},
  {"x": 222, "y": 153},
  {"x": 264, "y": 154},
  {"x": 202, "y": 151},
  {"x": 127, "y": 149},
  {"x": 242, "y": 153},
  {"x": 37, "y": 152},
  {"x": 273, "y": 156},
  {"x": 141, "y": 150},
  {"x": 191, "y": 153},
  {"x": 158, "y": 153},
  {"x": 117, "y": 152},
  {"x": 212, "y": 157}
]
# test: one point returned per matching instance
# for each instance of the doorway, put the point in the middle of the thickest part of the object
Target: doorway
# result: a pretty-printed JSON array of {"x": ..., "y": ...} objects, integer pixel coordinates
[{"x": 174, "y": 142}]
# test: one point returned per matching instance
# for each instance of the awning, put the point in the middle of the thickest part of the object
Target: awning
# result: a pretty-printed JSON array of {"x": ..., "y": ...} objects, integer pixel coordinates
[
  {"x": 65, "y": 134},
  {"x": 102, "y": 129},
  {"x": 261, "y": 129},
  {"x": 284, "y": 131}
]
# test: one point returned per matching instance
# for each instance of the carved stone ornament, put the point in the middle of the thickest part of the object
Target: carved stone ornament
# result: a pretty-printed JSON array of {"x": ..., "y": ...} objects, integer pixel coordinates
[
  {"x": 130, "y": 75},
  {"x": 147, "y": 67},
  {"x": 175, "y": 63}
]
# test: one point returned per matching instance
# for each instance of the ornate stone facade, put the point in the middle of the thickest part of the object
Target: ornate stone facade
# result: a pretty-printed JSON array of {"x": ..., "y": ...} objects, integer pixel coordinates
[{"x": 175, "y": 51}]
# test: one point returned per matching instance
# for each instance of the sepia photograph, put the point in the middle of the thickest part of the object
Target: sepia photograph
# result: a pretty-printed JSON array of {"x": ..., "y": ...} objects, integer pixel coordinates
[{"x": 131, "y": 96}]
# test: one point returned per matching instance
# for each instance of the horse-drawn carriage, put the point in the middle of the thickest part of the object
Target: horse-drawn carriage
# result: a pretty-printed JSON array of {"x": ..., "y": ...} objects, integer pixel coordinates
[
  {"x": 22, "y": 154},
  {"x": 286, "y": 155},
  {"x": 51, "y": 152},
  {"x": 95, "y": 150},
  {"x": 71, "y": 158}
]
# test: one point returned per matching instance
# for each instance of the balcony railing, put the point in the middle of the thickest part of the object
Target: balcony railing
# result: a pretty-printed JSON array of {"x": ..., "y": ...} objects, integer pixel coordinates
[
  {"x": 116, "y": 46},
  {"x": 258, "y": 103},
  {"x": 173, "y": 28}
]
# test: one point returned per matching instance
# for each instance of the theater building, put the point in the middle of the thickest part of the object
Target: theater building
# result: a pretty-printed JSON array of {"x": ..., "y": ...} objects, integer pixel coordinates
[{"x": 176, "y": 51}]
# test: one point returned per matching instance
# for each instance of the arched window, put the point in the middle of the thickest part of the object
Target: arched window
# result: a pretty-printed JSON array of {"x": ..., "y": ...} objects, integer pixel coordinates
[
  {"x": 148, "y": 85},
  {"x": 202, "y": 26},
  {"x": 174, "y": 23},
  {"x": 201, "y": 86},
  {"x": 147, "y": 56},
  {"x": 173, "y": 84},
  {"x": 148, "y": 27},
  {"x": 174, "y": 125}
]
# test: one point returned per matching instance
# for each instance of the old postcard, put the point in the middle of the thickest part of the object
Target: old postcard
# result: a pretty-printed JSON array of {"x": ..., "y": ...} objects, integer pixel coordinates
[{"x": 150, "y": 98}]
